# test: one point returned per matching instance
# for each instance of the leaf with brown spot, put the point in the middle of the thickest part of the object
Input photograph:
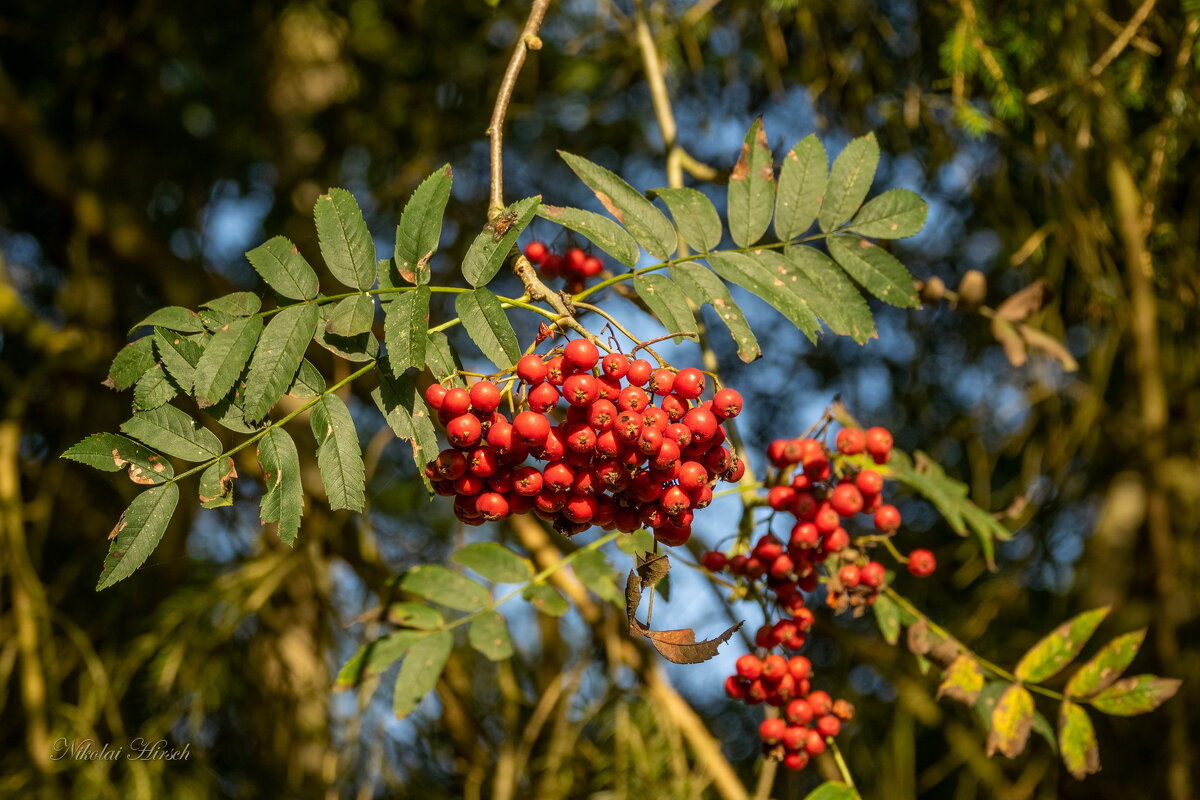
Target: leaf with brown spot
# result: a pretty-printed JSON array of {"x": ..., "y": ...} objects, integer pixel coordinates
[
  {"x": 1077, "y": 741},
  {"x": 751, "y": 188},
  {"x": 1136, "y": 695},
  {"x": 1011, "y": 722},
  {"x": 1059, "y": 647},
  {"x": 679, "y": 646},
  {"x": 649, "y": 226},
  {"x": 216, "y": 484},
  {"x": 1107, "y": 665},
  {"x": 962, "y": 681}
]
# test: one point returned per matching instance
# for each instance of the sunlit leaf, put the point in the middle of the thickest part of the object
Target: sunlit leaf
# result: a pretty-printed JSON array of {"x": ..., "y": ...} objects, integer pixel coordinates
[
  {"x": 802, "y": 182},
  {"x": 175, "y": 318},
  {"x": 494, "y": 561},
  {"x": 494, "y": 244},
  {"x": 489, "y": 635},
  {"x": 138, "y": 532},
  {"x": 1077, "y": 741},
  {"x": 752, "y": 188},
  {"x": 1060, "y": 647},
  {"x": 713, "y": 292},
  {"x": 849, "y": 181},
  {"x": 1136, "y": 695},
  {"x": 600, "y": 231},
  {"x": 346, "y": 244},
  {"x": 1107, "y": 665},
  {"x": 423, "y": 665},
  {"x": 277, "y": 357},
  {"x": 352, "y": 316},
  {"x": 224, "y": 358},
  {"x": 746, "y": 272},
  {"x": 283, "y": 499},
  {"x": 171, "y": 431},
  {"x": 630, "y": 207},
  {"x": 446, "y": 587},
  {"x": 483, "y": 318},
  {"x": 895, "y": 214},
  {"x": 875, "y": 269},
  {"x": 1011, "y": 722},
  {"x": 420, "y": 227},
  {"x": 695, "y": 217},
  {"x": 668, "y": 302},
  {"x": 284, "y": 269},
  {"x": 405, "y": 327},
  {"x": 112, "y": 452}
]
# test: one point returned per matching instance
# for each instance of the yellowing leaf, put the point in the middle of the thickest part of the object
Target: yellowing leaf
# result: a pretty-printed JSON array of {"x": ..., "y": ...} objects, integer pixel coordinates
[{"x": 1012, "y": 720}]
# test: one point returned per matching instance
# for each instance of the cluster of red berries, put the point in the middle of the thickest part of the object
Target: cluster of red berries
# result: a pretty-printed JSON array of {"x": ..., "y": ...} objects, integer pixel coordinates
[
  {"x": 575, "y": 265},
  {"x": 614, "y": 459},
  {"x": 809, "y": 717}
]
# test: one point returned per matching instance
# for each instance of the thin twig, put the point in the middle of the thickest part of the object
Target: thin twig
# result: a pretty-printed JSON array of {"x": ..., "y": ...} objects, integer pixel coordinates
[{"x": 527, "y": 41}]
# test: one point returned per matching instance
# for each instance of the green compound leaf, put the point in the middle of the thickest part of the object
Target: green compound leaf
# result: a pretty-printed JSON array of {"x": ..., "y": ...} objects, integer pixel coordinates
[
  {"x": 346, "y": 243},
  {"x": 1011, "y": 722},
  {"x": 423, "y": 665},
  {"x": 802, "y": 182},
  {"x": 1077, "y": 741},
  {"x": 405, "y": 322},
  {"x": 216, "y": 484},
  {"x": 175, "y": 318},
  {"x": 835, "y": 298},
  {"x": 409, "y": 418},
  {"x": 668, "y": 302},
  {"x": 283, "y": 500},
  {"x": 495, "y": 562},
  {"x": 131, "y": 363},
  {"x": 876, "y": 270},
  {"x": 112, "y": 452},
  {"x": 546, "y": 599},
  {"x": 895, "y": 214},
  {"x": 489, "y": 635},
  {"x": 714, "y": 293},
  {"x": 352, "y": 316},
  {"x": 138, "y": 532},
  {"x": 494, "y": 244},
  {"x": 446, "y": 587},
  {"x": 339, "y": 457},
  {"x": 484, "y": 321},
  {"x": 373, "y": 658},
  {"x": 752, "y": 188},
  {"x": 284, "y": 269},
  {"x": 630, "y": 207},
  {"x": 173, "y": 432},
  {"x": 695, "y": 217},
  {"x": 1060, "y": 647},
  {"x": 224, "y": 358},
  {"x": 277, "y": 358},
  {"x": 849, "y": 181},
  {"x": 236, "y": 304},
  {"x": 600, "y": 231},
  {"x": 420, "y": 227},
  {"x": 1136, "y": 695},
  {"x": 746, "y": 272},
  {"x": 1107, "y": 665}
]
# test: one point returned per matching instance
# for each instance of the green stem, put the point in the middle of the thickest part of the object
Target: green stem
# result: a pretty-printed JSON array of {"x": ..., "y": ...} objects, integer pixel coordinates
[
  {"x": 847, "y": 778},
  {"x": 539, "y": 578}
]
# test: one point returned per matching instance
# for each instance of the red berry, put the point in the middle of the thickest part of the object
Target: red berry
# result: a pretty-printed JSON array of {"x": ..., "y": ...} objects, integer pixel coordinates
[
  {"x": 581, "y": 390},
  {"x": 592, "y": 267},
  {"x": 727, "y": 403},
  {"x": 774, "y": 667},
  {"x": 702, "y": 423},
  {"x": 821, "y": 702},
  {"x": 849, "y": 576},
  {"x": 456, "y": 401},
  {"x": 662, "y": 381},
  {"x": 781, "y": 497},
  {"x": 837, "y": 540},
  {"x": 851, "y": 441},
  {"x": 692, "y": 475},
  {"x": 921, "y": 563},
  {"x": 689, "y": 383},
  {"x": 615, "y": 366},
  {"x": 633, "y": 398},
  {"x": 799, "y": 712},
  {"x": 872, "y": 574},
  {"x": 543, "y": 397},
  {"x": 574, "y": 259},
  {"x": 435, "y": 394},
  {"x": 639, "y": 372},
  {"x": 887, "y": 519},
  {"x": 795, "y": 760},
  {"x": 879, "y": 442},
  {"x": 846, "y": 499},
  {"x": 485, "y": 397},
  {"x": 558, "y": 476},
  {"x": 765, "y": 636},
  {"x": 869, "y": 482},
  {"x": 531, "y": 369},
  {"x": 714, "y": 561},
  {"x": 531, "y": 427},
  {"x": 736, "y": 686},
  {"x": 772, "y": 729},
  {"x": 580, "y": 508},
  {"x": 800, "y": 667},
  {"x": 815, "y": 744},
  {"x": 536, "y": 251},
  {"x": 581, "y": 354},
  {"x": 464, "y": 430},
  {"x": 492, "y": 505},
  {"x": 829, "y": 725}
]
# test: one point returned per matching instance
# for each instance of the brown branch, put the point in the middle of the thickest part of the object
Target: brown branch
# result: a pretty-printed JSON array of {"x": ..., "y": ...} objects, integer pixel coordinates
[
  {"x": 558, "y": 301},
  {"x": 527, "y": 41}
]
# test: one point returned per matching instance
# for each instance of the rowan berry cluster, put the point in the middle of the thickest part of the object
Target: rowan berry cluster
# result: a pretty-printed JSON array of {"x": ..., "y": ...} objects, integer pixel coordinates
[
  {"x": 822, "y": 490},
  {"x": 614, "y": 459},
  {"x": 575, "y": 265}
]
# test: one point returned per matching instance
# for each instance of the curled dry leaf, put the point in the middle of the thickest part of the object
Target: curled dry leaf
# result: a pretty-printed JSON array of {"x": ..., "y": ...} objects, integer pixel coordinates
[
  {"x": 652, "y": 568},
  {"x": 679, "y": 646},
  {"x": 1019, "y": 306},
  {"x": 924, "y": 642}
]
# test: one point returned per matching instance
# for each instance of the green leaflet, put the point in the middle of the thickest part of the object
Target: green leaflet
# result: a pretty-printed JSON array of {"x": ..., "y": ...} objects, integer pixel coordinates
[
  {"x": 423, "y": 665},
  {"x": 752, "y": 188},
  {"x": 440, "y": 359},
  {"x": 1077, "y": 741},
  {"x": 803, "y": 179},
  {"x": 546, "y": 599},
  {"x": 717, "y": 295},
  {"x": 630, "y": 207},
  {"x": 895, "y": 214},
  {"x": 837, "y": 300},
  {"x": 1107, "y": 665},
  {"x": 174, "y": 318},
  {"x": 745, "y": 271},
  {"x": 277, "y": 357},
  {"x": 600, "y": 231},
  {"x": 131, "y": 363},
  {"x": 345, "y": 242},
  {"x": 173, "y": 432},
  {"x": 489, "y": 635},
  {"x": 420, "y": 227},
  {"x": 695, "y": 217},
  {"x": 284, "y": 269},
  {"x": 833, "y": 790},
  {"x": 596, "y": 573},
  {"x": 668, "y": 302},
  {"x": 112, "y": 452},
  {"x": 352, "y": 316},
  {"x": 441, "y": 585},
  {"x": 494, "y": 561},
  {"x": 283, "y": 499},
  {"x": 484, "y": 321},
  {"x": 153, "y": 389},
  {"x": 363, "y": 347},
  {"x": 409, "y": 418},
  {"x": 849, "y": 181},
  {"x": 339, "y": 456},
  {"x": 1136, "y": 695},
  {"x": 375, "y": 657},
  {"x": 138, "y": 532},
  {"x": 406, "y": 320},
  {"x": 179, "y": 356},
  {"x": 875, "y": 269},
  {"x": 216, "y": 484},
  {"x": 494, "y": 244},
  {"x": 1060, "y": 647},
  {"x": 308, "y": 381},
  {"x": 237, "y": 304},
  {"x": 224, "y": 358}
]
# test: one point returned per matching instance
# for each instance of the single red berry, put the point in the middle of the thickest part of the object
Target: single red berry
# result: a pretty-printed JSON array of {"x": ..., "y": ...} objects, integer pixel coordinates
[
  {"x": 815, "y": 743},
  {"x": 843, "y": 710},
  {"x": 456, "y": 401},
  {"x": 689, "y": 383},
  {"x": 615, "y": 366},
  {"x": 727, "y": 403},
  {"x": 574, "y": 259},
  {"x": 633, "y": 398},
  {"x": 674, "y": 407},
  {"x": 799, "y": 712},
  {"x": 702, "y": 423},
  {"x": 799, "y": 666},
  {"x": 450, "y": 464},
  {"x": 846, "y": 499},
  {"x": 485, "y": 397},
  {"x": 879, "y": 442},
  {"x": 543, "y": 397},
  {"x": 829, "y": 725},
  {"x": 795, "y": 760},
  {"x": 692, "y": 475},
  {"x": 774, "y": 667},
  {"x": 765, "y": 636},
  {"x": 736, "y": 686},
  {"x": 887, "y": 519},
  {"x": 464, "y": 430},
  {"x": 531, "y": 369},
  {"x": 662, "y": 381},
  {"x": 714, "y": 561},
  {"x": 536, "y": 251},
  {"x": 435, "y": 395},
  {"x": 827, "y": 519},
  {"x": 837, "y": 540},
  {"x": 872, "y": 574},
  {"x": 581, "y": 354},
  {"x": 580, "y": 508},
  {"x": 531, "y": 427},
  {"x": 849, "y": 576},
  {"x": 771, "y": 729},
  {"x": 552, "y": 265},
  {"x": 556, "y": 371},
  {"x": 492, "y": 506},
  {"x": 592, "y": 267},
  {"x": 869, "y": 482},
  {"x": 851, "y": 441},
  {"x": 581, "y": 390},
  {"x": 921, "y": 563},
  {"x": 821, "y": 702},
  {"x": 781, "y": 497},
  {"x": 639, "y": 372},
  {"x": 793, "y": 738}
]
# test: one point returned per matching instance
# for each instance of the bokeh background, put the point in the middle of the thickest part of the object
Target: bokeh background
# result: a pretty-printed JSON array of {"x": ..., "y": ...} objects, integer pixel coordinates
[{"x": 144, "y": 146}]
